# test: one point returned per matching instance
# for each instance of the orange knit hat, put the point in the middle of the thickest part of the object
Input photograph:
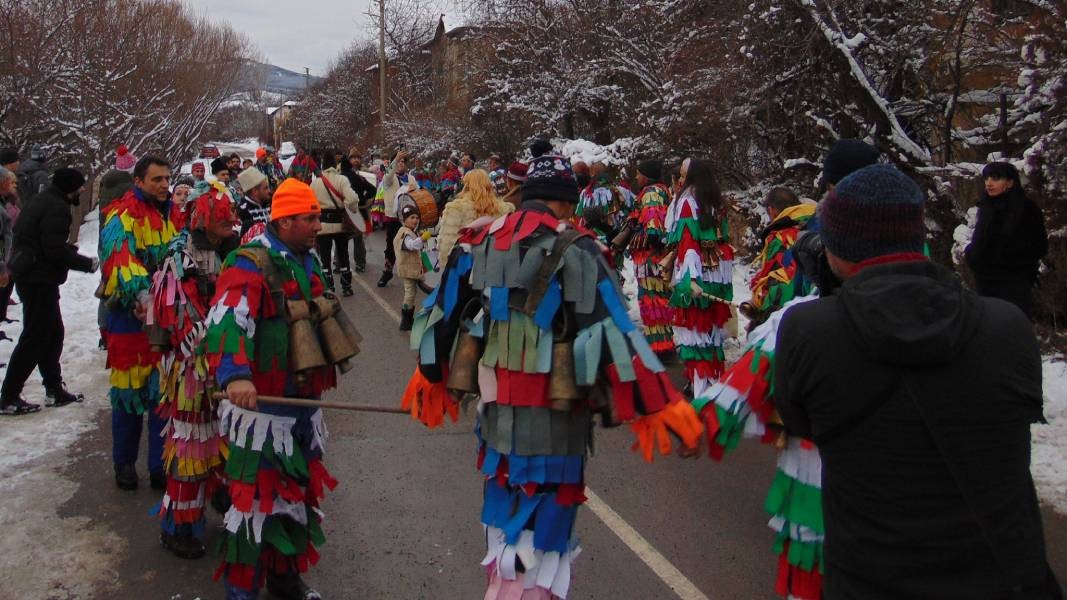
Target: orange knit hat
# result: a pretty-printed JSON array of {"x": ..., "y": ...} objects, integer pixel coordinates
[
  {"x": 293, "y": 197},
  {"x": 261, "y": 153}
]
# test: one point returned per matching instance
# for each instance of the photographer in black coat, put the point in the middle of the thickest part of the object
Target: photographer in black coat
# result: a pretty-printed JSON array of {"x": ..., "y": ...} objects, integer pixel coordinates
[
  {"x": 40, "y": 260},
  {"x": 919, "y": 395}
]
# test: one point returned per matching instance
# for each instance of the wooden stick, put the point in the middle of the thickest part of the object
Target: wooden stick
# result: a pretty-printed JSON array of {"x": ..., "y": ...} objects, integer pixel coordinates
[{"x": 286, "y": 401}]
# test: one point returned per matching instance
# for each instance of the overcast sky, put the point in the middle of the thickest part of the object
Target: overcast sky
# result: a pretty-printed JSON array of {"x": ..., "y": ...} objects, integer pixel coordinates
[{"x": 295, "y": 33}]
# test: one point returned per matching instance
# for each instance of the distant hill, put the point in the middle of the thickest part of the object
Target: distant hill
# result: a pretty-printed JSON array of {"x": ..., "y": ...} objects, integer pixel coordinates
[{"x": 283, "y": 81}]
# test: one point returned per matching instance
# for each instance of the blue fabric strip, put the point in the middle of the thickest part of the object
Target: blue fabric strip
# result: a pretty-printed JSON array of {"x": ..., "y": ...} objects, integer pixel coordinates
[
  {"x": 463, "y": 265},
  {"x": 546, "y": 311},
  {"x": 498, "y": 304},
  {"x": 615, "y": 306}
]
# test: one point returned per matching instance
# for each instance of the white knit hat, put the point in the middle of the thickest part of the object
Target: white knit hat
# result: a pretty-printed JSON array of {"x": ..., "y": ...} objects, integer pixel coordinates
[{"x": 250, "y": 178}]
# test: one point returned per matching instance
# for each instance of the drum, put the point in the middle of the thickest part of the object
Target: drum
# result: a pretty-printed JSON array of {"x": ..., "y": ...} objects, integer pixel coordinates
[{"x": 427, "y": 206}]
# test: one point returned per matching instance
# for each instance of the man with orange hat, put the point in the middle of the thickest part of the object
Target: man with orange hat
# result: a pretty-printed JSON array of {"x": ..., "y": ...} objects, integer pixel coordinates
[
  {"x": 274, "y": 469},
  {"x": 182, "y": 290},
  {"x": 266, "y": 166}
]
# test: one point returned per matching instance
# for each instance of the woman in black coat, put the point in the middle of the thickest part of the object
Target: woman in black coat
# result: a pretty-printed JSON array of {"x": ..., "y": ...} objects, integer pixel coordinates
[{"x": 1009, "y": 239}]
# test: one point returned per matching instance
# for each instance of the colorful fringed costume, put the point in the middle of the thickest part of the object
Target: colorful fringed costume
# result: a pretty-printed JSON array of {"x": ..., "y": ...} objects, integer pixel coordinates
[
  {"x": 616, "y": 203},
  {"x": 274, "y": 470},
  {"x": 777, "y": 280},
  {"x": 136, "y": 234},
  {"x": 702, "y": 282},
  {"x": 531, "y": 317},
  {"x": 648, "y": 249},
  {"x": 740, "y": 404},
  {"x": 182, "y": 290}
]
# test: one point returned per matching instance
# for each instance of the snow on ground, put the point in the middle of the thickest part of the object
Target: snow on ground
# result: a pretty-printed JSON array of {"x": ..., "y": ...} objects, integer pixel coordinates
[
  {"x": 1048, "y": 461},
  {"x": 57, "y": 557}
]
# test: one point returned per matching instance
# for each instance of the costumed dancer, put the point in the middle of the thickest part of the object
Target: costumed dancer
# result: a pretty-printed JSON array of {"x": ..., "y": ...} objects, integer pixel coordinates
[
  {"x": 182, "y": 290},
  {"x": 268, "y": 334},
  {"x": 539, "y": 326},
  {"x": 777, "y": 281},
  {"x": 615, "y": 202},
  {"x": 647, "y": 248},
  {"x": 702, "y": 275},
  {"x": 137, "y": 231}
]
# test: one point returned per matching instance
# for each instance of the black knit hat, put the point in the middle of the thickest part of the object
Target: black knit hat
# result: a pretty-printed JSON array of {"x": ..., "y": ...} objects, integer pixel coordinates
[
  {"x": 407, "y": 210},
  {"x": 873, "y": 212},
  {"x": 68, "y": 180},
  {"x": 549, "y": 176},
  {"x": 846, "y": 156},
  {"x": 8, "y": 155},
  {"x": 218, "y": 165},
  {"x": 653, "y": 169}
]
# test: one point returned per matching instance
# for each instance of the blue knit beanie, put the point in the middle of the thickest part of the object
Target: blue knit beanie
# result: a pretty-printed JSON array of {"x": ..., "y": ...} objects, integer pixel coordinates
[{"x": 875, "y": 211}]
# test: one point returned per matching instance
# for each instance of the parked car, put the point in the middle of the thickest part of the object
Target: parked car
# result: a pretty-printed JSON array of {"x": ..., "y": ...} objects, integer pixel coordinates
[{"x": 209, "y": 151}]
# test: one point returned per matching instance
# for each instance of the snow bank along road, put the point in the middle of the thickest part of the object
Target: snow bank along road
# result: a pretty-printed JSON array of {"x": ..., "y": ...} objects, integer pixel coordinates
[{"x": 404, "y": 522}]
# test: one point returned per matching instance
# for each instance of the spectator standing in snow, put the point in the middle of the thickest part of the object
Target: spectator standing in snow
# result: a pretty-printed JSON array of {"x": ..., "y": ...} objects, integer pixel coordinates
[
  {"x": 304, "y": 165},
  {"x": 397, "y": 181},
  {"x": 220, "y": 170},
  {"x": 253, "y": 209},
  {"x": 9, "y": 159},
  {"x": 1009, "y": 239},
  {"x": 466, "y": 163},
  {"x": 336, "y": 197},
  {"x": 448, "y": 181},
  {"x": 41, "y": 258},
  {"x": 515, "y": 178},
  {"x": 32, "y": 174},
  {"x": 926, "y": 480},
  {"x": 198, "y": 170},
  {"x": 351, "y": 168},
  {"x": 9, "y": 211},
  {"x": 266, "y": 167},
  {"x": 233, "y": 163},
  {"x": 475, "y": 201}
]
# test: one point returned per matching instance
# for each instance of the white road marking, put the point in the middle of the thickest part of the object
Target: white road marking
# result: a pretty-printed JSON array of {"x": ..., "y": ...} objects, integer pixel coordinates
[
  {"x": 644, "y": 550},
  {"x": 389, "y": 310},
  {"x": 636, "y": 542}
]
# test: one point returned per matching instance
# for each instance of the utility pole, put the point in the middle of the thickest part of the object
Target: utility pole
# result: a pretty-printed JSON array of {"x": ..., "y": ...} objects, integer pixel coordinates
[
  {"x": 307, "y": 85},
  {"x": 381, "y": 76}
]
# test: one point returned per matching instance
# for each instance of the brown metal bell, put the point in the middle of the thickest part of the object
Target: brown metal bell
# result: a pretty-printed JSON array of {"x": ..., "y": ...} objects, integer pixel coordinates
[
  {"x": 305, "y": 353},
  {"x": 346, "y": 326},
  {"x": 158, "y": 338},
  {"x": 463, "y": 372},
  {"x": 562, "y": 384},
  {"x": 336, "y": 344}
]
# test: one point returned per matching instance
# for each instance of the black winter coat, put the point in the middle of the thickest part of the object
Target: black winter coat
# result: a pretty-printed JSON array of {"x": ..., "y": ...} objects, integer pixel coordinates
[
  {"x": 33, "y": 179},
  {"x": 1009, "y": 239},
  {"x": 919, "y": 395},
  {"x": 41, "y": 232},
  {"x": 363, "y": 188}
]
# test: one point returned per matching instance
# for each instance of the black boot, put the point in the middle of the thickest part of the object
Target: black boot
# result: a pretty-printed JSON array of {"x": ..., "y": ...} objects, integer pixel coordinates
[
  {"x": 346, "y": 281},
  {"x": 17, "y": 406},
  {"x": 384, "y": 279},
  {"x": 182, "y": 543},
  {"x": 289, "y": 586},
  {"x": 126, "y": 477},
  {"x": 407, "y": 318},
  {"x": 57, "y": 395},
  {"x": 327, "y": 276}
]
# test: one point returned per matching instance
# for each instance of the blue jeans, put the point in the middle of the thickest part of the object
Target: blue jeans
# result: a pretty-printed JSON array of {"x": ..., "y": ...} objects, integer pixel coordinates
[{"x": 126, "y": 438}]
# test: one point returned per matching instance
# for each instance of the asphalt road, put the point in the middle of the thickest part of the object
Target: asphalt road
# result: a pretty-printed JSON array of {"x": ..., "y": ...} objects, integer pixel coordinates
[{"x": 404, "y": 521}]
